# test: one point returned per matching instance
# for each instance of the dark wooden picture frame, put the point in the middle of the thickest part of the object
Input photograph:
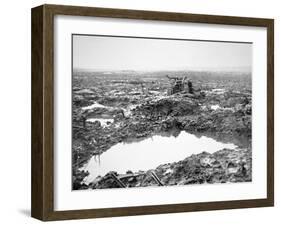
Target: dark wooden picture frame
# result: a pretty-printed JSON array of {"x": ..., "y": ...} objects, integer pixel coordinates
[{"x": 43, "y": 109}]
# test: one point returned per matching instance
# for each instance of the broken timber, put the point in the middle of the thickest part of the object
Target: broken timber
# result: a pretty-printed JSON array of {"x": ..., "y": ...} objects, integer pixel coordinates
[
  {"x": 118, "y": 181},
  {"x": 122, "y": 185},
  {"x": 123, "y": 176},
  {"x": 154, "y": 176}
]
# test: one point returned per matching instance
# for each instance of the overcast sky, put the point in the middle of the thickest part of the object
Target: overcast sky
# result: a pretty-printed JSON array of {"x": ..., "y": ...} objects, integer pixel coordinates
[{"x": 115, "y": 53}]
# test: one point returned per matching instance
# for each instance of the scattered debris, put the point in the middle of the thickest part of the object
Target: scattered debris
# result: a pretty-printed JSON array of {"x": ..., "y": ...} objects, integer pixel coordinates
[{"x": 109, "y": 109}]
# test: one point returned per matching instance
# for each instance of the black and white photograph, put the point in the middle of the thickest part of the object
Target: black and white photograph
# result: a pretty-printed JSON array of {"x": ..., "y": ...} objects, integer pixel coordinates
[{"x": 149, "y": 112}]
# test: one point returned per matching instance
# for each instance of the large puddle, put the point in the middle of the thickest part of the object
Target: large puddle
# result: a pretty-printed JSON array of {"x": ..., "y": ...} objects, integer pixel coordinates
[{"x": 150, "y": 153}]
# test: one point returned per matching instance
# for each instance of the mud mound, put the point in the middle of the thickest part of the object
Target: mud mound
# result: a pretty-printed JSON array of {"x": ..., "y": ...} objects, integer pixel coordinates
[
  {"x": 170, "y": 106},
  {"x": 223, "y": 166}
]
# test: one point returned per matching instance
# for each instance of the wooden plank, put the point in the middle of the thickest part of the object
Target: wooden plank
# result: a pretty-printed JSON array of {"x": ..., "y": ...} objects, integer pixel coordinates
[
  {"x": 119, "y": 182},
  {"x": 123, "y": 176},
  {"x": 155, "y": 177}
]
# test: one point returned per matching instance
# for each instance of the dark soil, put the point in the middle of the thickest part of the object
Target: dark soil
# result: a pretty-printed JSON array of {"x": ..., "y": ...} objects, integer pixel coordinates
[{"x": 158, "y": 114}]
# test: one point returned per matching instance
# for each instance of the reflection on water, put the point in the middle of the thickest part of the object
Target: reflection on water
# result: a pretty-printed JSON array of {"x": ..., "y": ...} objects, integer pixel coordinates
[{"x": 150, "y": 153}]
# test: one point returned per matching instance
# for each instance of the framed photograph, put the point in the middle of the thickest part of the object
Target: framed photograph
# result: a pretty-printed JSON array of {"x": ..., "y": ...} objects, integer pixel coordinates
[{"x": 142, "y": 112}]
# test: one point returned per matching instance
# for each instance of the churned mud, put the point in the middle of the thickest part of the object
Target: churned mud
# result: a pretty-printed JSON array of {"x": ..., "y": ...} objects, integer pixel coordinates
[{"x": 122, "y": 108}]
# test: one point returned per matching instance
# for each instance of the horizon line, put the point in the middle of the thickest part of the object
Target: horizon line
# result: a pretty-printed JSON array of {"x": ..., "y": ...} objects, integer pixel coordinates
[{"x": 244, "y": 69}]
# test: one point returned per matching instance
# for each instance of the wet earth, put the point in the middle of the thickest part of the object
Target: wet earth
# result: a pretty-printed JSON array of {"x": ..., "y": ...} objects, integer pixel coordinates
[{"x": 108, "y": 110}]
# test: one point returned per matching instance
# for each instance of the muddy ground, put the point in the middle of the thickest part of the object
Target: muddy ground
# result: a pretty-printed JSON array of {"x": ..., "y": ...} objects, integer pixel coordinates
[{"x": 136, "y": 106}]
